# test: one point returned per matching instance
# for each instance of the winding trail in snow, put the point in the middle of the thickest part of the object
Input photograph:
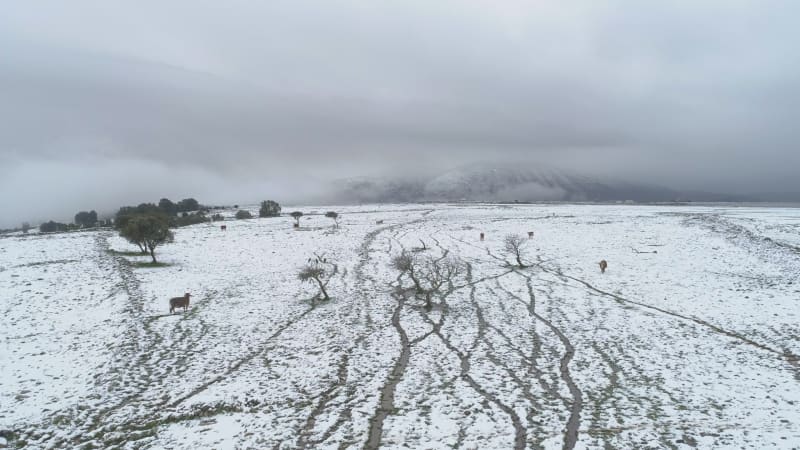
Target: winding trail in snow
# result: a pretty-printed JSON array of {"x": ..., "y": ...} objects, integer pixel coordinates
[
  {"x": 386, "y": 401},
  {"x": 576, "y": 405},
  {"x": 789, "y": 357}
]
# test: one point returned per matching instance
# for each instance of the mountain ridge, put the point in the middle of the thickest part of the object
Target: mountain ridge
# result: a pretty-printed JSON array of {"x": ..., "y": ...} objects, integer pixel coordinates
[{"x": 497, "y": 183}]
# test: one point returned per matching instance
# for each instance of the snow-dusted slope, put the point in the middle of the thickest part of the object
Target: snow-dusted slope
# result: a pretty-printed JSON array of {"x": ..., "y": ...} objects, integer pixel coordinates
[
  {"x": 499, "y": 183},
  {"x": 689, "y": 340}
]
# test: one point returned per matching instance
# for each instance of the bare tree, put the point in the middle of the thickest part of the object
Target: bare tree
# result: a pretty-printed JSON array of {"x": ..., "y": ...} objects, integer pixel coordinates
[
  {"x": 436, "y": 273},
  {"x": 428, "y": 274},
  {"x": 317, "y": 269},
  {"x": 405, "y": 263},
  {"x": 514, "y": 244}
]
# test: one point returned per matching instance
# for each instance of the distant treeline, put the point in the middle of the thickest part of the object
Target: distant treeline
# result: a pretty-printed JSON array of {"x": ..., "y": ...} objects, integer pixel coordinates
[{"x": 185, "y": 212}]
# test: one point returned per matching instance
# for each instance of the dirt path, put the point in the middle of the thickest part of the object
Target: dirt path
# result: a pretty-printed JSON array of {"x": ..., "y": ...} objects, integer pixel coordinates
[{"x": 386, "y": 402}]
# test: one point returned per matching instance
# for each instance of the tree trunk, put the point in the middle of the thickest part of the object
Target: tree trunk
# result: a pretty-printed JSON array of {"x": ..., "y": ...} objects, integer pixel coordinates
[
  {"x": 322, "y": 288},
  {"x": 414, "y": 279},
  {"x": 428, "y": 304},
  {"x": 153, "y": 254},
  {"x": 416, "y": 282},
  {"x": 519, "y": 261}
]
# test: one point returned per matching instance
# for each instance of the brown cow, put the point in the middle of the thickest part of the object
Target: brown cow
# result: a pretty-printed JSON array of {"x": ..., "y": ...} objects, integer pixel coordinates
[
  {"x": 603, "y": 265},
  {"x": 179, "y": 302},
  {"x": 530, "y": 234},
  {"x": 481, "y": 236},
  {"x": 223, "y": 227}
]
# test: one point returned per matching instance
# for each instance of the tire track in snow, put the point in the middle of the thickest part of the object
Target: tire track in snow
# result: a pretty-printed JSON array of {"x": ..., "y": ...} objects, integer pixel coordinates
[
  {"x": 241, "y": 361},
  {"x": 387, "y": 392},
  {"x": 363, "y": 310},
  {"x": 520, "y": 433},
  {"x": 386, "y": 400},
  {"x": 303, "y": 439},
  {"x": 574, "y": 421},
  {"x": 132, "y": 368},
  {"x": 789, "y": 357},
  {"x": 135, "y": 350}
]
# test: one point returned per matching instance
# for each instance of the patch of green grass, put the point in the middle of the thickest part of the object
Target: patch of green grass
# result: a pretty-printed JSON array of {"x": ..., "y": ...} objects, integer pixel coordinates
[
  {"x": 150, "y": 264},
  {"x": 126, "y": 253}
]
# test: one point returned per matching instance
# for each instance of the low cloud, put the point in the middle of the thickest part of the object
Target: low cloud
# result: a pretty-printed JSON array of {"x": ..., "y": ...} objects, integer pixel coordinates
[{"x": 285, "y": 97}]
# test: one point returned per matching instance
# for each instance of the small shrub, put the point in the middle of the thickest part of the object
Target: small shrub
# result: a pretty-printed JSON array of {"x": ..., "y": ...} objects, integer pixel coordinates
[
  {"x": 243, "y": 214},
  {"x": 317, "y": 270},
  {"x": 52, "y": 227},
  {"x": 186, "y": 219}
]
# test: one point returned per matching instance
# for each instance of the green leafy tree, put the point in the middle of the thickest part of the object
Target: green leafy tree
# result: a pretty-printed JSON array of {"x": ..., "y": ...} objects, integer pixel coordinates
[
  {"x": 148, "y": 231},
  {"x": 186, "y": 219},
  {"x": 86, "y": 219},
  {"x": 168, "y": 206},
  {"x": 243, "y": 214},
  {"x": 269, "y": 208},
  {"x": 188, "y": 204},
  {"x": 126, "y": 212}
]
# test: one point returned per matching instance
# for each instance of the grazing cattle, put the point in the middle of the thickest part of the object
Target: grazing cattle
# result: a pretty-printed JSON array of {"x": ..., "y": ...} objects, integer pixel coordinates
[
  {"x": 179, "y": 302},
  {"x": 482, "y": 236},
  {"x": 603, "y": 265},
  {"x": 379, "y": 222},
  {"x": 530, "y": 234},
  {"x": 223, "y": 227}
]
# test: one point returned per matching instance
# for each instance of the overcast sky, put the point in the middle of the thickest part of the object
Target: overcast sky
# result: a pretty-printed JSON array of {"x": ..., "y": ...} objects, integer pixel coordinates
[{"x": 103, "y": 103}]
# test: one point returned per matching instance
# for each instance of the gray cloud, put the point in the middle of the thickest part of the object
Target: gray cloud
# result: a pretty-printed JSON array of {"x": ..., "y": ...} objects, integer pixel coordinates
[{"x": 252, "y": 100}]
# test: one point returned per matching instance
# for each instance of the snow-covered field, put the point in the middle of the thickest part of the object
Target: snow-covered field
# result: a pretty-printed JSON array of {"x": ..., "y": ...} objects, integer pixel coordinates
[{"x": 688, "y": 340}]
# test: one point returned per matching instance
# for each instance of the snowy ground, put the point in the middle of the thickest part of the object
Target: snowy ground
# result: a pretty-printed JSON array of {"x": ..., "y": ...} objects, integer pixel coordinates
[{"x": 688, "y": 340}]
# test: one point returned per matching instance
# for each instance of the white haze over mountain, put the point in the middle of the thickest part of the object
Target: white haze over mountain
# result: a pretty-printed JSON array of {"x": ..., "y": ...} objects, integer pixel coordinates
[
  {"x": 112, "y": 103},
  {"x": 508, "y": 183}
]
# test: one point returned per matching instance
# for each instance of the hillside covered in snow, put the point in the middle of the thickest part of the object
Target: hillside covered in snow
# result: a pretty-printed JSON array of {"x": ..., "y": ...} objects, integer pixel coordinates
[{"x": 505, "y": 183}]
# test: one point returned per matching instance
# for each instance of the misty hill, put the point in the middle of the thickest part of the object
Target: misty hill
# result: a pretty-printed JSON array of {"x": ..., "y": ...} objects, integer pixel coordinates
[{"x": 503, "y": 184}]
